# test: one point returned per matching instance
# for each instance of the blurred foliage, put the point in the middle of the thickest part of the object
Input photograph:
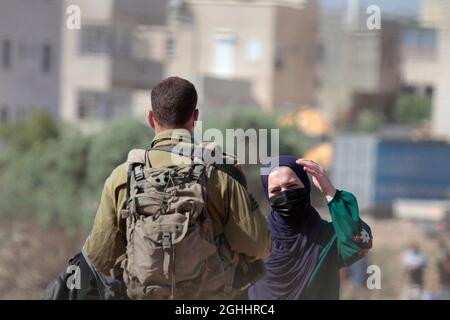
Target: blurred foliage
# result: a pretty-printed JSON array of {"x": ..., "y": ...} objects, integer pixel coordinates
[
  {"x": 110, "y": 147},
  {"x": 365, "y": 121},
  {"x": 369, "y": 120},
  {"x": 408, "y": 110},
  {"x": 412, "y": 109},
  {"x": 37, "y": 127},
  {"x": 57, "y": 177},
  {"x": 291, "y": 140},
  {"x": 54, "y": 174}
]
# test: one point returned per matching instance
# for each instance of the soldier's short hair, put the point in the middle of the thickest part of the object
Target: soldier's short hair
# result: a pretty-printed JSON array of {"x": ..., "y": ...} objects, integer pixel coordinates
[{"x": 173, "y": 101}]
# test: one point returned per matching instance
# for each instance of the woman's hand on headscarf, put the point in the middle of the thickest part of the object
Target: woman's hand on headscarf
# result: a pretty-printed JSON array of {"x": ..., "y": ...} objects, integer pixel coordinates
[{"x": 319, "y": 177}]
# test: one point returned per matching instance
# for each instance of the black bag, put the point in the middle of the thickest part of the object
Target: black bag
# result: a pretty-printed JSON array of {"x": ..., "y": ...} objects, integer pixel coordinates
[{"x": 92, "y": 286}]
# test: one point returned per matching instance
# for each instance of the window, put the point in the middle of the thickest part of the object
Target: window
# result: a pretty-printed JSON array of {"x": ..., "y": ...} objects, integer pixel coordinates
[
  {"x": 86, "y": 105},
  {"x": 224, "y": 55},
  {"x": 6, "y": 54},
  {"x": 170, "y": 47},
  {"x": 46, "y": 58},
  {"x": 96, "y": 39},
  {"x": 419, "y": 38},
  {"x": 407, "y": 89},
  {"x": 122, "y": 41},
  {"x": 102, "y": 105},
  {"x": 253, "y": 50}
]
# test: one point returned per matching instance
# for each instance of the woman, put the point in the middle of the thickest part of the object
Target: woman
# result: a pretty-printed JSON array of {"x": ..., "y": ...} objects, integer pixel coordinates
[{"x": 307, "y": 252}]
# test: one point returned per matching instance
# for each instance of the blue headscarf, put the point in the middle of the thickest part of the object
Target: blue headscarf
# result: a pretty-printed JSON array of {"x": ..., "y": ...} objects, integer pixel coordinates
[{"x": 295, "y": 246}]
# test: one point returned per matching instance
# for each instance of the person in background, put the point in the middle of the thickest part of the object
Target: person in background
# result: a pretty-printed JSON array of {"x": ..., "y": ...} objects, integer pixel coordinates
[
  {"x": 307, "y": 252},
  {"x": 444, "y": 269},
  {"x": 414, "y": 265}
]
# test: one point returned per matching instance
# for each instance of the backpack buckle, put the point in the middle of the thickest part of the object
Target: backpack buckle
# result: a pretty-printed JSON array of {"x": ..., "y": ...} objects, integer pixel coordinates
[
  {"x": 166, "y": 240},
  {"x": 138, "y": 173},
  {"x": 196, "y": 171},
  {"x": 125, "y": 213}
]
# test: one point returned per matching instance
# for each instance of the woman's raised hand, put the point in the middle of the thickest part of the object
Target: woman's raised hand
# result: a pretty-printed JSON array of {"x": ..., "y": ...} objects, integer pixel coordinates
[{"x": 319, "y": 177}]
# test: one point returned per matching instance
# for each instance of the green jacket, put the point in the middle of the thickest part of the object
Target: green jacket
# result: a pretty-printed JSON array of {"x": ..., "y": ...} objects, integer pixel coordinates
[
  {"x": 228, "y": 204},
  {"x": 345, "y": 240}
]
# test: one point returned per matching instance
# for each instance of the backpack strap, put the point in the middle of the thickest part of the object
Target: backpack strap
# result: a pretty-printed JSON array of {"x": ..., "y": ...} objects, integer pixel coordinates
[
  {"x": 137, "y": 156},
  {"x": 136, "y": 161},
  {"x": 229, "y": 169}
]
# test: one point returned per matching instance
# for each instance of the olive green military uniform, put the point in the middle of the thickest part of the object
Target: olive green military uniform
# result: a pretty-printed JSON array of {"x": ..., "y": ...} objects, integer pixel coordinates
[{"x": 228, "y": 205}]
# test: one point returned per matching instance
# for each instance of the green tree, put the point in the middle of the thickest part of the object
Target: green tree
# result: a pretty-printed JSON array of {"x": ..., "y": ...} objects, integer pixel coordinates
[
  {"x": 57, "y": 179},
  {"x": 412, "y": 109},
  {"x": 54, "y": 174},
  {"x": 291, "y": 141},
  {"x": 369, "y": 121},
  {"x": 110, "y": 146},
  {"x": 36, "y": 127},
  {"x": 45, "y": 181}
]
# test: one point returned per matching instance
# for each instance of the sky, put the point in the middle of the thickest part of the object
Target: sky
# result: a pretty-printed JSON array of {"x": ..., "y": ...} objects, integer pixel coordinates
[{"x": 397, "y": 7}]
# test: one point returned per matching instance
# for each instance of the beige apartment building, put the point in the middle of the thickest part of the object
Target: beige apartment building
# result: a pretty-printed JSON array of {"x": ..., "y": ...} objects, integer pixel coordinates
[
  {"x": 109, "y": 64},
  {"x": 245, "y": 53},
  {"x": 238, "y": 53},
  {"x": 435, "y": 14},
  {"x": 419, "y": 62},
  {"x": 82, "y": 74},
  {"x": 359, "y": 67},
  {"x": 30, "y": 41}
]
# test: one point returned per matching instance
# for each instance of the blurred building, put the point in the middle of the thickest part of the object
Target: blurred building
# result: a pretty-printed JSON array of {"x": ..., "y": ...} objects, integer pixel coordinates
[
  {"x": 112, "y": 61},
  {"x": 359, "y": 68},
  {"x": 244, "y": 53},
  {"x": 84, "y": 76},
  {"x": 435, "y": 14},
  {"x": 419, "y": 63},
  {"x": 379, "y": 170},
  {"x": 237, "y": 52},
  {"x": 30, "y": 48}
]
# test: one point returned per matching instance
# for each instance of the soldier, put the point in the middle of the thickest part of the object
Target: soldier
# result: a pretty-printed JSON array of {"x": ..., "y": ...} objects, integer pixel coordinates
[{"x": 235, "y": 221}]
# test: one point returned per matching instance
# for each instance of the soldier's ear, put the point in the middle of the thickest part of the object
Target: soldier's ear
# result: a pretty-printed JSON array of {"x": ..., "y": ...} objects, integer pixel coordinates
[
  {"x": 151, "y": 119},
  {"x": 195, "y": 115}
]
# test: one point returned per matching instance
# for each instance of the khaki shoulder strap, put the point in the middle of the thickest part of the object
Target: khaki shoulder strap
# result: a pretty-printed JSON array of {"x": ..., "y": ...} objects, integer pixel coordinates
[
  {"x": 136, "y": 156},
  {"x": 229, "y": 169}
]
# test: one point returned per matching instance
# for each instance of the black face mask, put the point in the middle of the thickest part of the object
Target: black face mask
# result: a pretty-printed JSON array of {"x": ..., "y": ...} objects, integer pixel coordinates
[{"x": 290, "y": 202}]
